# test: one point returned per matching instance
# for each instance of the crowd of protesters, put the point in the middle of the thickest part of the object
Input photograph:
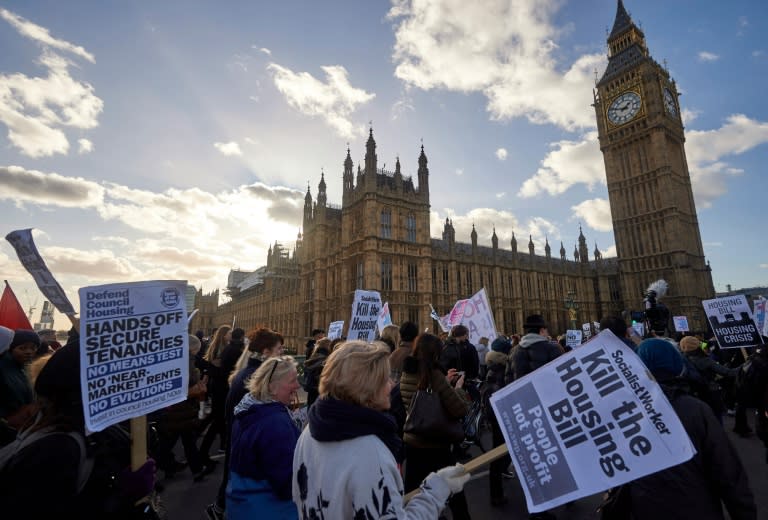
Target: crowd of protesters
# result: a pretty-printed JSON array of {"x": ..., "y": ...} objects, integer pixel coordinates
[{"x": 349, "y": 455}]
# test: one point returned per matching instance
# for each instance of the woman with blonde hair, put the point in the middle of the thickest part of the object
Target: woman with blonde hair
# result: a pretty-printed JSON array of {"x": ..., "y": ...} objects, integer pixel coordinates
[
  {"x": 391, "y": 336},
  {"x": 263, "y": 441},
  {"x": 345, "y": 461}
]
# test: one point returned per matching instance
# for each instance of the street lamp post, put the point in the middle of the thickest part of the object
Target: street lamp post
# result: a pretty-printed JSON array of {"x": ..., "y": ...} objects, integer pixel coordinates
[{"x": 572, "y": 307}]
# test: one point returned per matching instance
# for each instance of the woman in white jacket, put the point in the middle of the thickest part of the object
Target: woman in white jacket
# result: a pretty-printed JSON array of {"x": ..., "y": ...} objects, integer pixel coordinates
[{"x": 345, "y": 464}]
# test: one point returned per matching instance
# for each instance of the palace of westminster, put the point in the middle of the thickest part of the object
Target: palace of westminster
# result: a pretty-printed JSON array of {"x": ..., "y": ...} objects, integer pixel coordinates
[{"x": 379, "y": 239}]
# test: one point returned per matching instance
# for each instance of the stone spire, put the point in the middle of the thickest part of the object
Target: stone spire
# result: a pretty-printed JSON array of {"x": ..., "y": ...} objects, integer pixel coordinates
[
  {"x": 583, "y": 249},
  {"x": 530, "y": 244},
  {"x": 473, "y": 235},
  {"x": 513, "y": 243},
  {"x": 322, "y": 197},
  {"x": 562, "y": 251},
  {"x": 307, "y": 209},
  {"x": 370, "y": 156},
  {"x": 423, "y": 175},
  {"x": 494, "y": 239},
  {"x": 348, "y": 175},
  {"x": 547, "y": 249}
]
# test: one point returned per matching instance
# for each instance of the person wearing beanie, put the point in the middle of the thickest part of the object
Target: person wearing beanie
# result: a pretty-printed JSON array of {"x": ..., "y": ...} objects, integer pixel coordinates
[
  {"x": 535, "y": 349},
  {"x": 707, "y": 367},
  {"x": 16, "y": 394},
  {"x": 714, "y": 476}
]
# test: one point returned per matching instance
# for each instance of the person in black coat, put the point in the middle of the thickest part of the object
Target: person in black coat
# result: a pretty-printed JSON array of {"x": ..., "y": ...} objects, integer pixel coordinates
[
  {"x": 714, "y": 476},
  {"x": 535, "y": 349},
  {"x": 496, "y": 361},
  {"x": 460, "y": 354}
]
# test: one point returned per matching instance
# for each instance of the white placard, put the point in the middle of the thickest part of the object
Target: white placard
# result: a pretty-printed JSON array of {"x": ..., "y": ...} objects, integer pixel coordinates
[
  {"x": 335, "y": 329},
  {"x": 680, "y": 323},
  {"x": 365, "y": 312},
  {"x": 134, "y": 354},
  {"x": 590, "y": 420},
  {"x": 573, "y": 338},
  {"x": 587, "y": 330},
  {"x": 731, "y": 321}
]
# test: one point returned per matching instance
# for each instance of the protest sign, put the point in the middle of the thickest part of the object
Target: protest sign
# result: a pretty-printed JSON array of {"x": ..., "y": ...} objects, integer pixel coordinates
[
  {"x": 573, "y": 338},
  {"x": 590, "y": 420},
  {"x": 760, "y": 322},
  {"x": 384, "y": 318},
  {"x": 456, "y": 314},
  {"x": 639, "y": 328},
  {"x": 680, "y": 323},
  {"x": 731, "y": 321},
  {"x": 365, "y": 312},
  {"x": 22, "y": 242},
  {"x": 478, "y": 318},
  {"x": 335, "y": 329},
  {"x": 134, "y": 350},
  {"x": 596, "y": 326},
  {"x": 586, "y": 328}
]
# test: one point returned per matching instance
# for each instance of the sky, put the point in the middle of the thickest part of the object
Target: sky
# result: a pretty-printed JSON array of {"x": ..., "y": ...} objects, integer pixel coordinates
[{"x": 176, "y": 140}]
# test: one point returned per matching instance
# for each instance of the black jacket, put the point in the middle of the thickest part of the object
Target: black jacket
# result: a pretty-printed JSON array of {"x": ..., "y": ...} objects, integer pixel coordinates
[
  {"x": 534, "y": 352},
  {"x": 695, "y": 489},
  {"x": 462, "y": 357}
]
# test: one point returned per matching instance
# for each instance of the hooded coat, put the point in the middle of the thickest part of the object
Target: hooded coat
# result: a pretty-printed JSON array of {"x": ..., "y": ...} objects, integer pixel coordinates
[
  {"x": 534, "y": 352},
  {"x": 263, "y": 441}
]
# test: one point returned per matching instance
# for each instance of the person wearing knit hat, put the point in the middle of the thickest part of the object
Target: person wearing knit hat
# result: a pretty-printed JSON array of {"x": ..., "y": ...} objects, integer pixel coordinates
[
  {"x": 661, "y": 357},
  {"x": 501, "y": 344},
  {"x": 16, "y": 394},
  {"x": 714, "y": 476}
]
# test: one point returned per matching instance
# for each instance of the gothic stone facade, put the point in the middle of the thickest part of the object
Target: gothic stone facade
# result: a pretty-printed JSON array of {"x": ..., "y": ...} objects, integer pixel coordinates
[{"x": 379, "y": 238}]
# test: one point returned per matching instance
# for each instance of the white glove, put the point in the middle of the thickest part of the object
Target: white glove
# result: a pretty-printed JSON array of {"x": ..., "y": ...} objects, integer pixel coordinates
[{"x": 455, "y": 476}]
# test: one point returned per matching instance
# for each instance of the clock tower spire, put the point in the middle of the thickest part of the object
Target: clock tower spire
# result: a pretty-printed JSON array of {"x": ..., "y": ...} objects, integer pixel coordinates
[{"x": 649, "y": 186}]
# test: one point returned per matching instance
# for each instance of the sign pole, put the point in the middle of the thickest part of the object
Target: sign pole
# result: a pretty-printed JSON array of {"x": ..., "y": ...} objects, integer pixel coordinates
[
  {"x": 138, "y": 442},
  {"x": 472, "y": 465}
]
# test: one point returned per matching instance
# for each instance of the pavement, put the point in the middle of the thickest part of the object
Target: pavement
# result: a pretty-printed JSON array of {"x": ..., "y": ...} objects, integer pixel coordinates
[{"x": 187, "y": 500}]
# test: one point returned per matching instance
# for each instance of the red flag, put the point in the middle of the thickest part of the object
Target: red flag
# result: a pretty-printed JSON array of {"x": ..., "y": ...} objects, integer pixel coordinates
[{"x": 11, "y": 313}]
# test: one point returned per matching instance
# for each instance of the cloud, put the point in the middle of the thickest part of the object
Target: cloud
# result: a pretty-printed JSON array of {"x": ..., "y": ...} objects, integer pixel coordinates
[
  {"x": 596, "y": 213},
  {"x": 459, "y": 171},
  {"x": 705, "y": 56},
  {"x": 757, "y": 53},
  {"x": 501, "y": 154},
  {"x": 707, "y": 148},
  {"x": 31, "y": 186},
  {"x": 688, "y": 115},
  {"x": 94, "y": 263},
  {"x": 569, "y": 163},
  {"x": 333, "y": 100},
  {"x": 43, "y": 36},
  {"x": 500, "y": 195},
  {"x": 35, "y": 108},
  {"x": 265, "y": 51},
  {"x": 84, "y": 146},
  {"x": 503, "y": 49},
  {"x": 229, "y": 149},
  {"x": 764, "y": 266}
]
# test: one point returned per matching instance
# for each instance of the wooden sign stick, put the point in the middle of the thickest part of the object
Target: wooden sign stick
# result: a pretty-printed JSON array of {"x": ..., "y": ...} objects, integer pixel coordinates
[
  {"x": 138, "y": 442},
  {"x": 472, "y": 465}
]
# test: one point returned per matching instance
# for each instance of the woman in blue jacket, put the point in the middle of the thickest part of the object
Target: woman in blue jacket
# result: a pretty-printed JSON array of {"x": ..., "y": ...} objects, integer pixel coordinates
[{"x": 263, "y": 440}]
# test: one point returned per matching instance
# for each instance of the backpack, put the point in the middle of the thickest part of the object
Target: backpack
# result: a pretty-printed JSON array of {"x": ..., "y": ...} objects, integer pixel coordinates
[{"x": 751, "y": 379}]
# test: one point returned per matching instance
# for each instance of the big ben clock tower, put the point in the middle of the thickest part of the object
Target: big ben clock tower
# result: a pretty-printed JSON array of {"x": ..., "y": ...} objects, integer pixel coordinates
[{"x": 649, "y": 186}]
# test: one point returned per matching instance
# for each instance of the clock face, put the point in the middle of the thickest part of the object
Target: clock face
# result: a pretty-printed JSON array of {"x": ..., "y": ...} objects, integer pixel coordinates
[
  {"x": 669, "y": 102},
  {"x": 624, "y": 108}
]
